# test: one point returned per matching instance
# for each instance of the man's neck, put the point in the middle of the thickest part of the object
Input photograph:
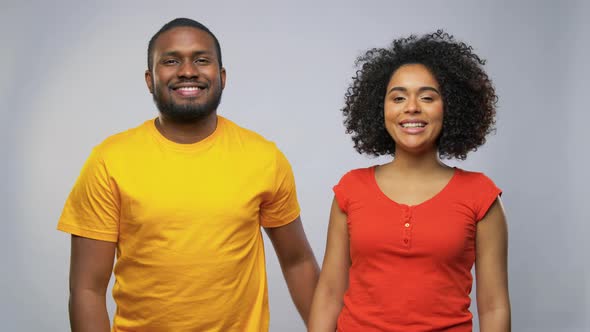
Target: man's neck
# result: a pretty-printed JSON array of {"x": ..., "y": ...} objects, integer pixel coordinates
[{"x": 187, "y": 132}]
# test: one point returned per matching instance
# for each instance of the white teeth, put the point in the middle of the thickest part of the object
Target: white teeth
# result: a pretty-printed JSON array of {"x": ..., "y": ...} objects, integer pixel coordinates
[
  {"x": 190, "y": 88},
  {"x": 413, "y": 124}
]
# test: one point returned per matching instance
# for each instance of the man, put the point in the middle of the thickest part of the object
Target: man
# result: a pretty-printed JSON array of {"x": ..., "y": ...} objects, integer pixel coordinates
[{"x": 181, "y": 199}]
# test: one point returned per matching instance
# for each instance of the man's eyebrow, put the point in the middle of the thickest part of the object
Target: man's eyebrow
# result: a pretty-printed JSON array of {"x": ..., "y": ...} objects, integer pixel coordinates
[
  {"x": 421, "y": 89},
  {"x": 177, "y": 53}
]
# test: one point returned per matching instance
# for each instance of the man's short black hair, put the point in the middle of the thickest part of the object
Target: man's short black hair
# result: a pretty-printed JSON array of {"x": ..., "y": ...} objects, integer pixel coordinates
[{"x": 175, "y": 23}]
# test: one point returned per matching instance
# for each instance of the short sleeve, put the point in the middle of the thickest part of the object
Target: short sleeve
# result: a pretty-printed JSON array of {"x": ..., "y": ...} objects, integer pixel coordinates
[
  {"x": 92, "y": 208},
  {"x": 283, "y": 206},
  {"x": 487, "y": 193},
  {"x": 342, "y": 192}
]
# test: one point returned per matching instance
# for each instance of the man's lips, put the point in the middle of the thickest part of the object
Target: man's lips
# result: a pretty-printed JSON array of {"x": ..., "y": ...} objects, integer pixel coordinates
[{"x": 189, "y": 90}]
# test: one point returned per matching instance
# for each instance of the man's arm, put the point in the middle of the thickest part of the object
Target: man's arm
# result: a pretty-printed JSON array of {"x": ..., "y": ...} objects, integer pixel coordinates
[
  {"x": 91, "y": 265},
  {"x": 493, "y": 304},
  {"x": 298, "y": 263}
]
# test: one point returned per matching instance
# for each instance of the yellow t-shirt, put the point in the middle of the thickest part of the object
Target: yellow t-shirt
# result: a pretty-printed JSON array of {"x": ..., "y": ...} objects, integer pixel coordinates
[{"x": 186, "y": 219}]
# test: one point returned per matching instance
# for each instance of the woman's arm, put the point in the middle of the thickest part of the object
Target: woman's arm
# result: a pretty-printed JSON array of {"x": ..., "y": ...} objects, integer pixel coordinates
[
  {"x": 493, "y": 303},
  {"x": 328, "y": 296}
]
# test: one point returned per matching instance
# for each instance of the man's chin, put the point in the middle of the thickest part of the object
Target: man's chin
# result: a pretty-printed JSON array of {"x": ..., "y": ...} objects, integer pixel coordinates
[
  {"x": 188, "y": 111},
  {"x": 187, "y": 116}
]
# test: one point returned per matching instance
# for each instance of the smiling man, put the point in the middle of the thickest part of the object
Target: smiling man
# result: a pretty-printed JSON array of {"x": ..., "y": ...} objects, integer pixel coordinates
[{"x": 181, "y": 200}]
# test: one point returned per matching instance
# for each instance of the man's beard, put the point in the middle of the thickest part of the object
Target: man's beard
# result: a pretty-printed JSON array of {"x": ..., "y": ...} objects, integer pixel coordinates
[{"x": 188, "y": 112}]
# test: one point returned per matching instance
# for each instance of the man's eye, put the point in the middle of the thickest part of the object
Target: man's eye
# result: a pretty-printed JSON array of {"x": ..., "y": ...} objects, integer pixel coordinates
[
  {"x": 170, "y": 62},
  {"x": 202, "y": 61}
]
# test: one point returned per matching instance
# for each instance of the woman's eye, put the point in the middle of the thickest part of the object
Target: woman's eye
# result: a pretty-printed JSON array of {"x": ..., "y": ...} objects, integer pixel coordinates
[
  {"x": 427, "y": 99},
  {"x": 398, "y": 99}
]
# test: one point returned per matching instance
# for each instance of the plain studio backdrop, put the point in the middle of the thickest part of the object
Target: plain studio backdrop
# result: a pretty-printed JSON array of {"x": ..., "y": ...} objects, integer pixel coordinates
[{"x": 73, "y": 74}]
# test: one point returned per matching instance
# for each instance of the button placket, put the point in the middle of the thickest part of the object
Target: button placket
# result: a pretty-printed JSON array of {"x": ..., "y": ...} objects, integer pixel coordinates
[{"x": 407, "y": 227}]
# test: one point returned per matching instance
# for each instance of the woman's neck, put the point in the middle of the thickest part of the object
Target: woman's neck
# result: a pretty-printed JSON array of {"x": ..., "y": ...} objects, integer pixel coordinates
[{"x": 417, "y": 163}]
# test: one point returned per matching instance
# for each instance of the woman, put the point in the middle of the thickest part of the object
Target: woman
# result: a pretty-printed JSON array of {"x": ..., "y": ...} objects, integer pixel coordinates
[{"x": 404, "y": 236}]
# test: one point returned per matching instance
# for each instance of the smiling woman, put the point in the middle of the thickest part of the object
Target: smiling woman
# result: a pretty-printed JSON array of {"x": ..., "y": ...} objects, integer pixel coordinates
[
  {"x": 413, "y": 108},
  {"x": 468, "y": 96},
  {"x": 404, "y": 236}
]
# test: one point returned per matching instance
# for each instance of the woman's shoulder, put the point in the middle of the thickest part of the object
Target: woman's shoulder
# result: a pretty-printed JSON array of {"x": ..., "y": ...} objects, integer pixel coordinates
[
  {"x": 474, "y": 178},
  {"x": 357, "y": 174}
]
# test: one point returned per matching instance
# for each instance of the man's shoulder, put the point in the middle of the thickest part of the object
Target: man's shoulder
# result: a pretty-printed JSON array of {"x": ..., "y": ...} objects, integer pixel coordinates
[
  {"x": 248, "y": 137},
  {"x": 124, "y": 141}
]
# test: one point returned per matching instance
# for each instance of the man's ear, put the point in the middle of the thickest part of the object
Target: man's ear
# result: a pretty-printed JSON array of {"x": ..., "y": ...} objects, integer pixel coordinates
[
  {"x": 149, "y": 81},
  {"x": 222, "y": 74}
]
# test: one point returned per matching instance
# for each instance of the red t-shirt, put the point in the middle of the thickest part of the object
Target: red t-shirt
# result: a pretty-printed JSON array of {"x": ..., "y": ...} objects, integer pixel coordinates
[{"x": 411, "y": 265}]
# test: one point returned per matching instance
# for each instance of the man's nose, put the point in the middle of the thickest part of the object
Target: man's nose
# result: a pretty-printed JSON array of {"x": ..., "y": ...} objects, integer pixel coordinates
[{"x": 188, "y": 70}]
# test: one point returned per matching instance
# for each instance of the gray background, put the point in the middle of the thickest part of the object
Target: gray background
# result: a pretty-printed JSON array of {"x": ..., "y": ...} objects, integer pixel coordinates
[{"x": 72, "y": 74}]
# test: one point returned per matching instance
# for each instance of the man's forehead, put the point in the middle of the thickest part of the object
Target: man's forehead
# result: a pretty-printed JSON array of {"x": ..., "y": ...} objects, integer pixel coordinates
[{"x": 184, "y": 37}]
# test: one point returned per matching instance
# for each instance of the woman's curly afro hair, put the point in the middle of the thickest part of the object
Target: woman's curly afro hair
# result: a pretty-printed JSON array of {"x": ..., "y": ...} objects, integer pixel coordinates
[{"x": 468, "y": 95}]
